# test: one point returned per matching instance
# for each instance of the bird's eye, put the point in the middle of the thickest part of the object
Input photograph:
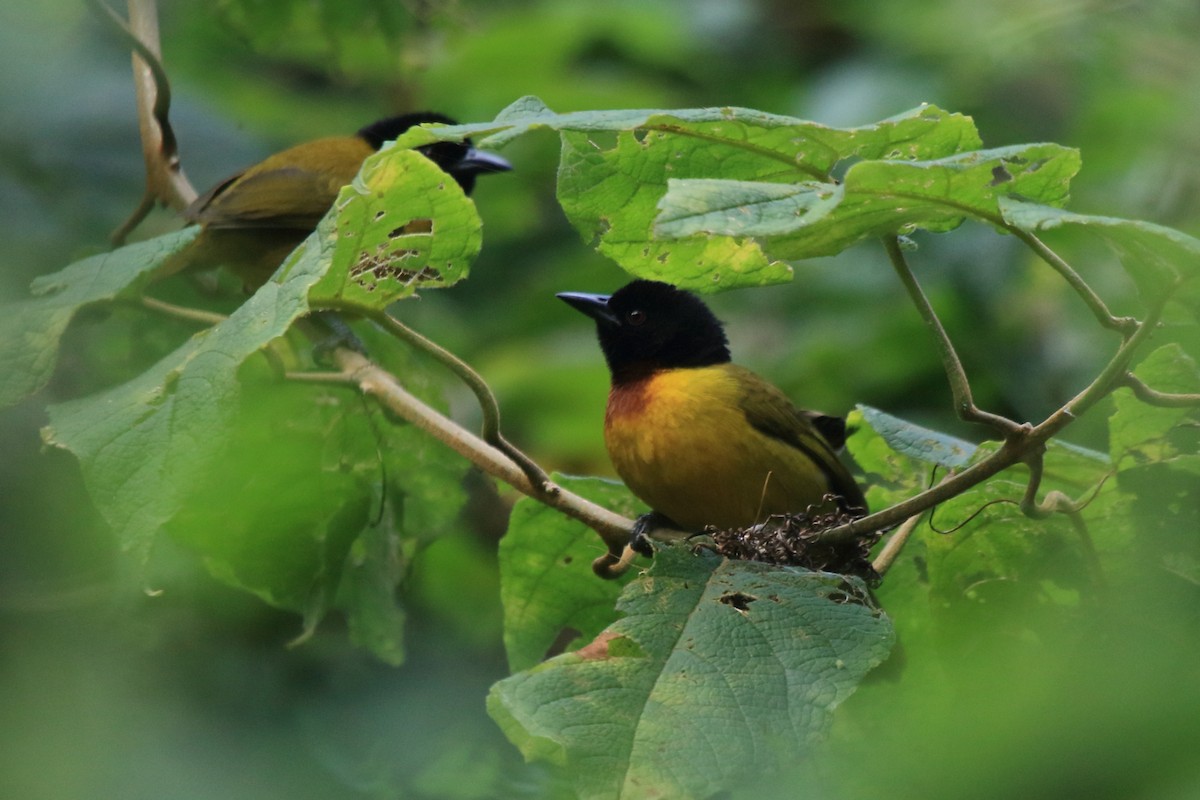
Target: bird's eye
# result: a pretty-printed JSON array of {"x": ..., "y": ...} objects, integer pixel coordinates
[{"x": 635, "y": 317}]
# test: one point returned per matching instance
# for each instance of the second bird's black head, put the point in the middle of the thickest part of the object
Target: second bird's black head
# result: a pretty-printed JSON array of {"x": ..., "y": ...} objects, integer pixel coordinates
[
  {"x": 646, "y": 326},
  {"x": 459, "y": 159}
]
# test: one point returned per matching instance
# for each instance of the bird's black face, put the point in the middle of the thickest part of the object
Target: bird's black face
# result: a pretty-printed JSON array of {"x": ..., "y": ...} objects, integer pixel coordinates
[
  {"x": 647, "y": 326},
  {"x": 460, "y": 159}
]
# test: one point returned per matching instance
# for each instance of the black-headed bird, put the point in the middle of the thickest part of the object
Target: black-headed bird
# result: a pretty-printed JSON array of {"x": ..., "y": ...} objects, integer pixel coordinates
[
  {"x": 251, "y": 220},
  {"x": 699, "y": 439}
]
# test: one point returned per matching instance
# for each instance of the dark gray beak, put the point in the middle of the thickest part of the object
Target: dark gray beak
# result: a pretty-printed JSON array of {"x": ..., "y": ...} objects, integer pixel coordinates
[
  {"x": 481, "y": 161},
  {"x": 594, "y": 305}
]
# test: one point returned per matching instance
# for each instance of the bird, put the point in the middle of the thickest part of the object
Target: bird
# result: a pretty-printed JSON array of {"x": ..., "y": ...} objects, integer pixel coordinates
[
  {"x": 254, "y": 218},
  {"x": 699, "y": 439}
]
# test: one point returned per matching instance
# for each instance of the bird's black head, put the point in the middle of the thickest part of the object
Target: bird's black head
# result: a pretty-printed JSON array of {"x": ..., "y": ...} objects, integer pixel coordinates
[
  {"x": 646, "y": 326},
  {"x": 460, "y": 159}
]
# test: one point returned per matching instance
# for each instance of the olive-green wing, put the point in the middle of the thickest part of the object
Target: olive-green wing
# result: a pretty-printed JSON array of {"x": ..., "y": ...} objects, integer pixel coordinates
[
  {"x": 286, "y": 197},
  {"x": 770, "y": 411}
]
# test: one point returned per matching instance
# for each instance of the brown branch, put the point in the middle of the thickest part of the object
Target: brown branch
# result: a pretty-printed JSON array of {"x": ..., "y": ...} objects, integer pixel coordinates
[
  {"x": 960, "y": 387},
  {"x": 483, "y": 394},
  {"x": 891, "y": 549},
  {"x": 377, "y": 382},
  {"x": 1056, "y": 502},
  {"x": 181, "y": 312},
  {"x": 1156, "y": 398},
  {"x": 165, "y": 180},
  {"x": 1017, "y": 445},
  {"x": 1124, "y": 325}
]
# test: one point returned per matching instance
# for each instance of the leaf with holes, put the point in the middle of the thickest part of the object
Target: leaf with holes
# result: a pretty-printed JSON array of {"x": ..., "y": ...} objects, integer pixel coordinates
[
  {"x": 403, "y": 225},
  {"x": 719, "y": 670},
  {"x": 616, "y": 166},
  {"x": 799, "y": 145}
]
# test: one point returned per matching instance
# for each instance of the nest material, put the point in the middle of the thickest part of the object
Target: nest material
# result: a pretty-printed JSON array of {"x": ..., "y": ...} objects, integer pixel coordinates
[{"x": 793, "y": 539}]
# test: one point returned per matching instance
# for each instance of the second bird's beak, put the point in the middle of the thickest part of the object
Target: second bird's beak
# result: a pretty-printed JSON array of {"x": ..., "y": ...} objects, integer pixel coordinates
[
  {"x": 478, "y": 161},
  {"x": 594, "y": 305}
]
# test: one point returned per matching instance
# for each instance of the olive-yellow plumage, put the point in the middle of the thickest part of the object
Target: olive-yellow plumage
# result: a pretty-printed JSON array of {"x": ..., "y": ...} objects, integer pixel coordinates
[
  {"x": 688, "y": 451},
  {"x": 701, "y": 440},
  {"x": 253, "y": 219}
]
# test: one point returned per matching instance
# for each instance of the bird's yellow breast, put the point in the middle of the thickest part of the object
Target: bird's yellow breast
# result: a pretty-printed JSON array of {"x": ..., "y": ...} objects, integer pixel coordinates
[{"x": 681, "y": 441}]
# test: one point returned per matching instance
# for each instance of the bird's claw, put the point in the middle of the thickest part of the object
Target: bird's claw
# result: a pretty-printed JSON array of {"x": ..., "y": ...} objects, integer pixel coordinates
[{"x": 640, "y": 539}]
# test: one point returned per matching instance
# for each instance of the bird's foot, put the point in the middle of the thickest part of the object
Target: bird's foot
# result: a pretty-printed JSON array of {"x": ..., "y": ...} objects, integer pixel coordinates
[
  {"x": 340, "y": 335},
  {"x": 640, "y": 538}
]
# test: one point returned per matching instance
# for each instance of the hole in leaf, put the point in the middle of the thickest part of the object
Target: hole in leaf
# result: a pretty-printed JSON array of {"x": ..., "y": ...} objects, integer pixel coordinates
[
  {"x": 1000, "y": 175},
  {"x": 416, "y": 226},
  {"x": 559, "y": 645},
  {"x": 737, "y": 600}
]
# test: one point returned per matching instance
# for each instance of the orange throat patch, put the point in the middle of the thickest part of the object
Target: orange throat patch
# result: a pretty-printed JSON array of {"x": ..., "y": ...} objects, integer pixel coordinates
[{"x": 627, "y": 399}]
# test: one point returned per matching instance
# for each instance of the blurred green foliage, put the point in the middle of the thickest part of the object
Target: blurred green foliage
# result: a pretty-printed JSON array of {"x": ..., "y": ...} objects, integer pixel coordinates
[{"x": 109, "y": 693}]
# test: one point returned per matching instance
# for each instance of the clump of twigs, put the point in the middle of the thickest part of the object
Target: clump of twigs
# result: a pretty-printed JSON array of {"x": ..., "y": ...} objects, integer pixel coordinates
[{"x": 794, "y": 539}]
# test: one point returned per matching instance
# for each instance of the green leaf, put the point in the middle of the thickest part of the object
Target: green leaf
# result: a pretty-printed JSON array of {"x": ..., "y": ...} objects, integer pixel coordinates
[
  {"x": 30, "y": 329},
  {"x": 291, "y": 489},
  {"x": 616, "y": 166},
  {"x": 720, "y": 670},
  {"x": 319, "y": 503},
  {"x": 917, "y": 442},
  {"x": 546, "y": 579},
  {"x": 1154, "y": 256},
  {"x": 144, "y": 444},
  {"x": 374, "y": 566},
  {"x": 895, "y": 196},
  {"x": 610, "y": 196},
  {"x": 1139, "y": 433},
  {"x": 404, "y": 224},
  {"x": 924, "y": 132},
  {"x": 891, "y": 476}
]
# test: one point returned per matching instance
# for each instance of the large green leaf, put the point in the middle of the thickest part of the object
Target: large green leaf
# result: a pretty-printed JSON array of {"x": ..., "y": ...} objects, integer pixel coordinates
[
  {"x": 719, "y": 670},
  {"x": 30, "y": 329},
  {"x": 876, "y": 197},
  {"x": 144, "y": 444},
  {"x": 616, "y": 166},
  {"x": 546, "y": 579},
  {"x": 921, "y": 133}
]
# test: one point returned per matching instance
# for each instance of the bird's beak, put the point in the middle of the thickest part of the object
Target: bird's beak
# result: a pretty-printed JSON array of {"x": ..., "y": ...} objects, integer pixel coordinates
[
  {"x": 480, "y": 161},
  {"x": 594, "y": 305}
]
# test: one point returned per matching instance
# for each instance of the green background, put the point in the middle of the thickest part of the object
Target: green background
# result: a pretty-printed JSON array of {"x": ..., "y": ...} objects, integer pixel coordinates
[{"x": 111, "y": 692}]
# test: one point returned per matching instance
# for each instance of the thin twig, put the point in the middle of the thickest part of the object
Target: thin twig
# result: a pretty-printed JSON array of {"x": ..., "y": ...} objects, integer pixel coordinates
[
  {"x": 1016, "y": 446},
  {"x": 1056, "y": 502},
  {"x": 1124, "y": 325},
  {"x": 165, "y": 180},
  {"x": 328, "y": 378},
  {"x": 182, "y": 312},
  {"x": 960, "y": 387},
  {"x": 895, "y": 543},
  {"x": 118, "y": 237},
  {"x": 1156, "y": 398},
  {"x": 373, "y": 380},
  {"x": 483, "y": 393}
]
